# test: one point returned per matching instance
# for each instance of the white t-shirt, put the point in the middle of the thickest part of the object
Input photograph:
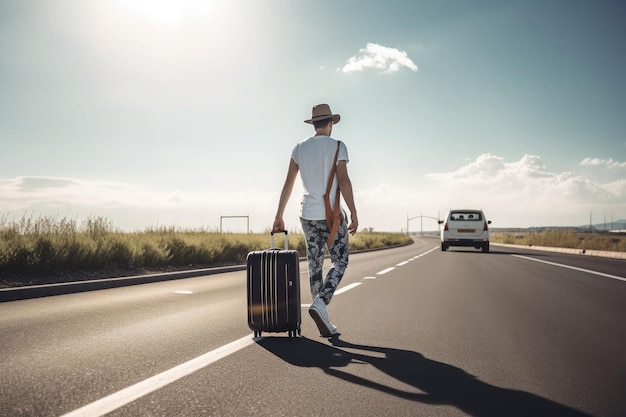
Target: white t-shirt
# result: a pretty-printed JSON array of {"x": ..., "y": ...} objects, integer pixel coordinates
[{"x": 314, "y": 157}]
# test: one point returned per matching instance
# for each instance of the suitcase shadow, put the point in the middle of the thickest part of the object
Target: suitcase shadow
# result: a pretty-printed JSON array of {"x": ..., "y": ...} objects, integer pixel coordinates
[
  {"x": 305, "y": 353},
  {"x": 435, "y": 382}
]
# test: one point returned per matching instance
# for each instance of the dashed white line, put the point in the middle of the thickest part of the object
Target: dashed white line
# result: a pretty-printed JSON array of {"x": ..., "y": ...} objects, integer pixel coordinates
[
  {"x": 347, "y": 288},
  {"x": 425, "y": 253},
  {"x": 384, "y": 271},
  {"x": 339, "y": 291}
]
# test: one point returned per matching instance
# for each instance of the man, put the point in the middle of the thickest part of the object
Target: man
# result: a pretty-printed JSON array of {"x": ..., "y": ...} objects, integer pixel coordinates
[{"x": 313, "y": 158}]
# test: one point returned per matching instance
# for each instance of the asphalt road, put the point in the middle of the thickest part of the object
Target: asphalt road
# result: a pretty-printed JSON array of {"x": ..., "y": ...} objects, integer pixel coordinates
[{"x": 423, "y": 333}]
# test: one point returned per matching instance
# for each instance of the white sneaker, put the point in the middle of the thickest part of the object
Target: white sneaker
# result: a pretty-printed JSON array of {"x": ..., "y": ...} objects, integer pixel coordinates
[{"x": 319, "y": 315}]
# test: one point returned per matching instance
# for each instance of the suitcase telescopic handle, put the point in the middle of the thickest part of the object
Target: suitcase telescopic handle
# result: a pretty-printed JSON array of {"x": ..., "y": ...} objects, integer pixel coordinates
[{"x": 286, "y": 239}]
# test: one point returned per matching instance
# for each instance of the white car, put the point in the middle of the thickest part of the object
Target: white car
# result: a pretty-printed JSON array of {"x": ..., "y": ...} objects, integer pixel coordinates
[{"x": 465, "y": 228}]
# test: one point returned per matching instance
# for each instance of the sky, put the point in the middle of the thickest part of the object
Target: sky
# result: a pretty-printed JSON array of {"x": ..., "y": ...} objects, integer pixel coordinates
[{"x": 174, "y": 113}]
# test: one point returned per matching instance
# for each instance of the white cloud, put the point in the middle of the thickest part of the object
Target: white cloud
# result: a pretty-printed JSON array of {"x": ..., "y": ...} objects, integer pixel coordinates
[
  {"x": 528, "y": 178},
  {"x": 617, "y": 188},
  {"x": 609, "y": 163},
  {"x": 389, "y": 60},
  {"x": 492, "y": 172},
  {"x": 526, "y": 193},
  {"x": 23, "y": 191}
]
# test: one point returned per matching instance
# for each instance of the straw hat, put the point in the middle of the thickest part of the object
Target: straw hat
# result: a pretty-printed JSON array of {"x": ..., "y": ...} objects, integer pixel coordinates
[{"x": 321, "y": 112}]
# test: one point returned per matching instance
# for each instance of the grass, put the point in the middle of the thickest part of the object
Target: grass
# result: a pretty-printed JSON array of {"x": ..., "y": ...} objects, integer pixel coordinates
[
  {"x": 48, "y": 249},
  {"x": 564, "y": 239}
]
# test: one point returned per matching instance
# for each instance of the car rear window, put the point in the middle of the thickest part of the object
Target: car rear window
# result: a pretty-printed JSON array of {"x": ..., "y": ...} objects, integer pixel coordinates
[{"x": 466, "y": 216}]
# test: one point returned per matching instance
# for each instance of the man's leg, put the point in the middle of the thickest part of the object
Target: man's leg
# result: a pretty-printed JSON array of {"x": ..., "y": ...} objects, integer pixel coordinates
[
  {"x": 339, "y": 257},
  {"x": 316, "y": 233},
  {"x": 314, "y": 237}
]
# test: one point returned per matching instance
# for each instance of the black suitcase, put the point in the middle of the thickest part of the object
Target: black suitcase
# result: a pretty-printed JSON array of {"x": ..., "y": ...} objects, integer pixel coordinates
[{"x": 274, "y": 290}]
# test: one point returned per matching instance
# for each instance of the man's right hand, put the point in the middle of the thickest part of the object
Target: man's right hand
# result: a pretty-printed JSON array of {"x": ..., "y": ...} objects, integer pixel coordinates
[{"x": 279, "y": 225}]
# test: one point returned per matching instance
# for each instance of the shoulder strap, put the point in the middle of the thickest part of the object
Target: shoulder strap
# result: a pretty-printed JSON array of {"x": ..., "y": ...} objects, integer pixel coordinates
[
  {"x": 333, "y": 217},
  {"x": 333, "y": 170}
]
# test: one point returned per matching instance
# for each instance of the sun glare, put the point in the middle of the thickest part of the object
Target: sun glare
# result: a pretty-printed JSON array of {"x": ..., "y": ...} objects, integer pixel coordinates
[{"x": 169, "y": 11}]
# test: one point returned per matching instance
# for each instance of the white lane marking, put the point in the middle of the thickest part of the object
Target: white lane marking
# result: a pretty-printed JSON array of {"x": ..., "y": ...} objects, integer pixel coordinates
[
  {"x": 347, "y": 288},
  {"x": 572, "y": 267},
  {"x": 186, "y": 292},
  {"x": 425, "y": 253},
  {"x": 339, "y": 291},
  {"x": 369, "y": 277},
  {"x": 127, "y": 395},
  {"x": 384, "y": 271}
]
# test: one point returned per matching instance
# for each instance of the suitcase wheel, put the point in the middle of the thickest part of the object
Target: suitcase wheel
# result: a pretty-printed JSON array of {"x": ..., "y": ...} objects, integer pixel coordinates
[
  {"x": 290, "y": 333},
  {"x": 295, "y": 333}
]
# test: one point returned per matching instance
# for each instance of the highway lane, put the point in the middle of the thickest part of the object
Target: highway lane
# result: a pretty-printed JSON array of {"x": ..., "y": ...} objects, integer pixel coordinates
[{"x": 442, "y": 333}]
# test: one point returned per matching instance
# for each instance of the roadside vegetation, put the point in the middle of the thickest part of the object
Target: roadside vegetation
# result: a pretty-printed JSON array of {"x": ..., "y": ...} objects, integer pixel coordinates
[
  {"x": 601, "y": 241},
  {"x": 48, "y": 249}
]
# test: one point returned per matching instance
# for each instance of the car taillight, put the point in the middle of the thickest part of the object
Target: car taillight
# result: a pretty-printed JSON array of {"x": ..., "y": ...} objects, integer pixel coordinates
[
  {"x": 485, "y": 228},
  {"x": 445, "y": 227}
]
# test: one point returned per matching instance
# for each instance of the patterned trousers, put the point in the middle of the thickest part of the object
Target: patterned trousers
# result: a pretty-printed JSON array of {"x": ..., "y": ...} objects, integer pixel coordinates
[{"x": 316, "y": 233}]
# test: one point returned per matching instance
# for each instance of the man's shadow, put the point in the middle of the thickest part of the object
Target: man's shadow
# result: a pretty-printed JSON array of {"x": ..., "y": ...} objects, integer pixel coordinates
[{"x": 441, "y": 384}]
